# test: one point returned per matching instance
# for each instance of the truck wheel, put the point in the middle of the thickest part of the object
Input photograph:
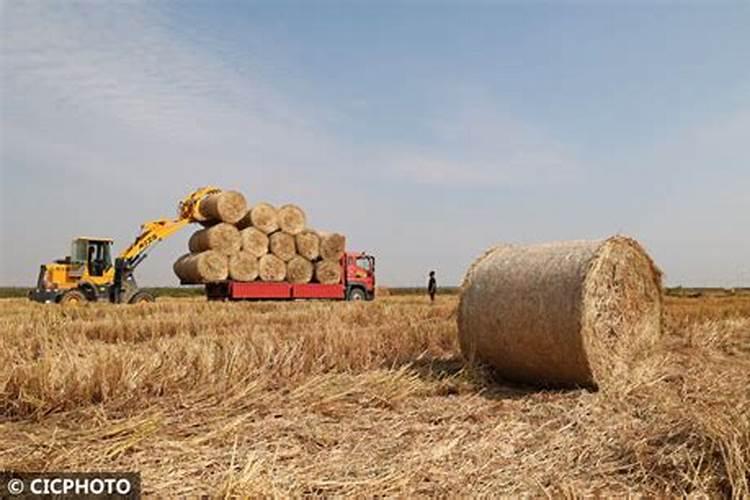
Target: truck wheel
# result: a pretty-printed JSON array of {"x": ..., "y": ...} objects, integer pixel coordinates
[
  {"x": 141, "y": 298},
  {"x": 72, "y": 298},
  {"x": 357, "y": 294}
]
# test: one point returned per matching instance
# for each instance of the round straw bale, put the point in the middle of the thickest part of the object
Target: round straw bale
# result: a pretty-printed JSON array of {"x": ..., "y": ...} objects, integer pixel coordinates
[
  {"x": 254, "y": 241},
  {"x": 332, "y": 245},
  {"x": 328, "y": 272},
  {"x": 308, "y": 244},
  {"x": 299, "y": 270},
  {"x": 262, "y": 216},
  {"x": 243, "y": 266},
  {"x": 202, "y": 267},
  {"x": 222, "y": 237},
  {"x": 561, "y": 314},
  {"x": 291, "y": 219},
  {"x": 282, "y": 245},
  {"x": 271, "y": 268},
  {"x": 226, "y": 206}
]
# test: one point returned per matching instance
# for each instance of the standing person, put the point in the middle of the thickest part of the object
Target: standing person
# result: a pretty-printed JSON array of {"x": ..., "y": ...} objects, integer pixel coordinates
[{"x": 432, "y": 286}]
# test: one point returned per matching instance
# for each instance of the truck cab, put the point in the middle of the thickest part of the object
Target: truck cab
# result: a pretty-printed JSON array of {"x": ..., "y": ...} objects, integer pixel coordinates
[{"x": 360, "y": 276}]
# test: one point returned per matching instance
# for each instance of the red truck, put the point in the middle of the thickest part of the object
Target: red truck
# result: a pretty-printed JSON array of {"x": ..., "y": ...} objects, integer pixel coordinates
[{"x": 357, "y": 283}]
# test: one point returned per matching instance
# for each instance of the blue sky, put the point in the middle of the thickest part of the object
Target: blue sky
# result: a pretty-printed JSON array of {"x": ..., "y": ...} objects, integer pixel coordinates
[{"x": 426, "y": 131}]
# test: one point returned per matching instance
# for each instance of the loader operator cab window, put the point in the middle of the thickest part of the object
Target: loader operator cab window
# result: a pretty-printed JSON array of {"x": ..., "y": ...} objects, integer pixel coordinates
[
  {"x": 95, "y": 255},
  {"x": 99, "y": 257}
]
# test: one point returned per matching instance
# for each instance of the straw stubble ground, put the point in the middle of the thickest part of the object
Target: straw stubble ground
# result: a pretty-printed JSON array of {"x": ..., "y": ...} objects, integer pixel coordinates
[{"x": 322, "y": 398}]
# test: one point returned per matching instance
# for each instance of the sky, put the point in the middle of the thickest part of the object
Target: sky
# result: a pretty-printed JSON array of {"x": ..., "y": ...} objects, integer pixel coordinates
[{"x": 424, "y": 131}]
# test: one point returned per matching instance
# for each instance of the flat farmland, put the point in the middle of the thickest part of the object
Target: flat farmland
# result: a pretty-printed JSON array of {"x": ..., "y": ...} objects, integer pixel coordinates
[{"x": 339, "y": 399}]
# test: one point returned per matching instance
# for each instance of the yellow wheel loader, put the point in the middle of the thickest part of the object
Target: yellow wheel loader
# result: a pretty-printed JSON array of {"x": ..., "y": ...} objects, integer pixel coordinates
[{"x": 88, "y": 273}]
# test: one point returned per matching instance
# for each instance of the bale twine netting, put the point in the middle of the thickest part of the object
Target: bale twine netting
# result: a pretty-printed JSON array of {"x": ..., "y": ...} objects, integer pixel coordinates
[
  {"x": 332, "y": 245},
  {"x": 328, "y": 272},
  {"x": 291, "y": 219},
  {"x": 243, "y": 266},
  {"x": 226, "y": 206},
  {"x": 254, "y": 241},
  {"x": 223, "y": 238},
  {"x": 202, "y": 267},
  {"x": 282, "y": 245},
  {"x": 308, "y": 244},
  {"x": 299, "y": 270},
  {"x": 262, "y": 216},
  {"x": 271, "y": 268},
  {"x": 574, "y": 313}
]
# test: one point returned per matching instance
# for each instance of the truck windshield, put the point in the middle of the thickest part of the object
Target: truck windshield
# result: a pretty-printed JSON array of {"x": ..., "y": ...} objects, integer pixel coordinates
[{"x": 364, "y": 263}]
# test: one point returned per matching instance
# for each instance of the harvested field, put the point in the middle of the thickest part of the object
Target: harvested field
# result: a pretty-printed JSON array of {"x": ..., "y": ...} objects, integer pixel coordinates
[{"x": 325, "y": 399}]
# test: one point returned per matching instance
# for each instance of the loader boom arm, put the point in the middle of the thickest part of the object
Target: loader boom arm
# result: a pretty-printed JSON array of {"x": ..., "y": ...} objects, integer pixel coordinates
[{"x": 157, "y": 230}]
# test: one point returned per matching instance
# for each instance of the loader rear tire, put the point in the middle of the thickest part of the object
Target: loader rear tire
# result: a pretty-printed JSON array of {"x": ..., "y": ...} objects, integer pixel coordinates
[
  {"x": 141, "y": 298},
  {"x": 72, "y": 298}
]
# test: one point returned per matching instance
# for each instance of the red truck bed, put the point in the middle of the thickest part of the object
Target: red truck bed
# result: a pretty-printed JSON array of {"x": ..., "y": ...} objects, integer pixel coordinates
[{"x": 236, "y": 290}]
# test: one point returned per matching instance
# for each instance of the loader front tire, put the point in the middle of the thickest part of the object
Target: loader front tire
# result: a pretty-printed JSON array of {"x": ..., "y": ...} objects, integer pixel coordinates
[{"x": 141, "y": 298}]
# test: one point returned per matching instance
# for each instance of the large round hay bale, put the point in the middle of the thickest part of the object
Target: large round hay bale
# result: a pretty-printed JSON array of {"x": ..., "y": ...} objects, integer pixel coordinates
[
  {"x": 299, "y": 270},
  {"x": 254, "y": 241},
  {"x": 308, "y": 244},
  {"x": 243, "y": 266},
  {"x": 271, "y": 268},
  {"x": 291, "y": 219},
  {"x": 262, "y": 216},
  {"x": 226, "y": 206},
  {"x": 332, "y": 245},
  {"x": 282, "y": 245},
  {"x": 328, "y": 272},
  {"x": 222, "y": 237},
  {"x": 563, "y": 314},
  {"x": 202, "y": 267}
]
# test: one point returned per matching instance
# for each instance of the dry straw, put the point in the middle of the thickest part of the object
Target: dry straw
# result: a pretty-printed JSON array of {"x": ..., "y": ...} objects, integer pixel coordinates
[
  {"x": 282, "y": 245},
  {"x": 262, "y": 216},
  {"x": 291, "y": 219},
  {"x": 243, "y": 266},
  {"x": 332, "y": 245},
  {"x": 202, "y": 267},
  {"x": 308, "y": 244},
  {"x": 226, "y": 206},
  {"x": 271, "y": 268},
  {"x": 299, "y": 270},
  {"x": 222, "y": 237},
  {"x": 567, "y": 313},
  {"x": 328, "y": 272},
  {"x": 254, "y": 241}
]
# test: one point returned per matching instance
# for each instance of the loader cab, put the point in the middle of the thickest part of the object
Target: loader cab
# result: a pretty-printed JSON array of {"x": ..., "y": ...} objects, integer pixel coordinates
[{"x": 92, "y": 256}]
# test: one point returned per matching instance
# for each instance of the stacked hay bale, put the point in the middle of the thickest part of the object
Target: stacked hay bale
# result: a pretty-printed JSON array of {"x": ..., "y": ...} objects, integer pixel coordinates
[{"x": 261, "y": 242}]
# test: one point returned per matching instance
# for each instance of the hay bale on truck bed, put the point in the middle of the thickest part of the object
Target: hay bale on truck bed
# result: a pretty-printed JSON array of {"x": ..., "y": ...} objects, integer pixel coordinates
[
  {"x": 299, "y": 270},
  {"x": 332, "y": 245},
  {"x": 254, "y": 241},
  {"x": 223, "y": 238},
  {"x": 291, "y": 219},
  {"x": 202, "y": 267},
  {"x": 282, "y": 245},
  {"x": 308, "y": 244},
  {"x": 271, "y": 268},
  {"x": 226, "y": 206},
  {"x": 262, "y": 216},
  {"x": 243, "y": 266},
  {"x": 328, "y": 272},
  {"x": 564, "y": 314}
]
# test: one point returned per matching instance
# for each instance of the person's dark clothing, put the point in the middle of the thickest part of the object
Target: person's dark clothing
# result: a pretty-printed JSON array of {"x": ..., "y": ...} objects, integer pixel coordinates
[{"x": 432, "y": 288}]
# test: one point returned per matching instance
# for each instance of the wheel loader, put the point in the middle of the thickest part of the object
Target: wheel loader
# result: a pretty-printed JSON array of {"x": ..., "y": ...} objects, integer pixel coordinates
[{"x": 88, "y": 273}]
